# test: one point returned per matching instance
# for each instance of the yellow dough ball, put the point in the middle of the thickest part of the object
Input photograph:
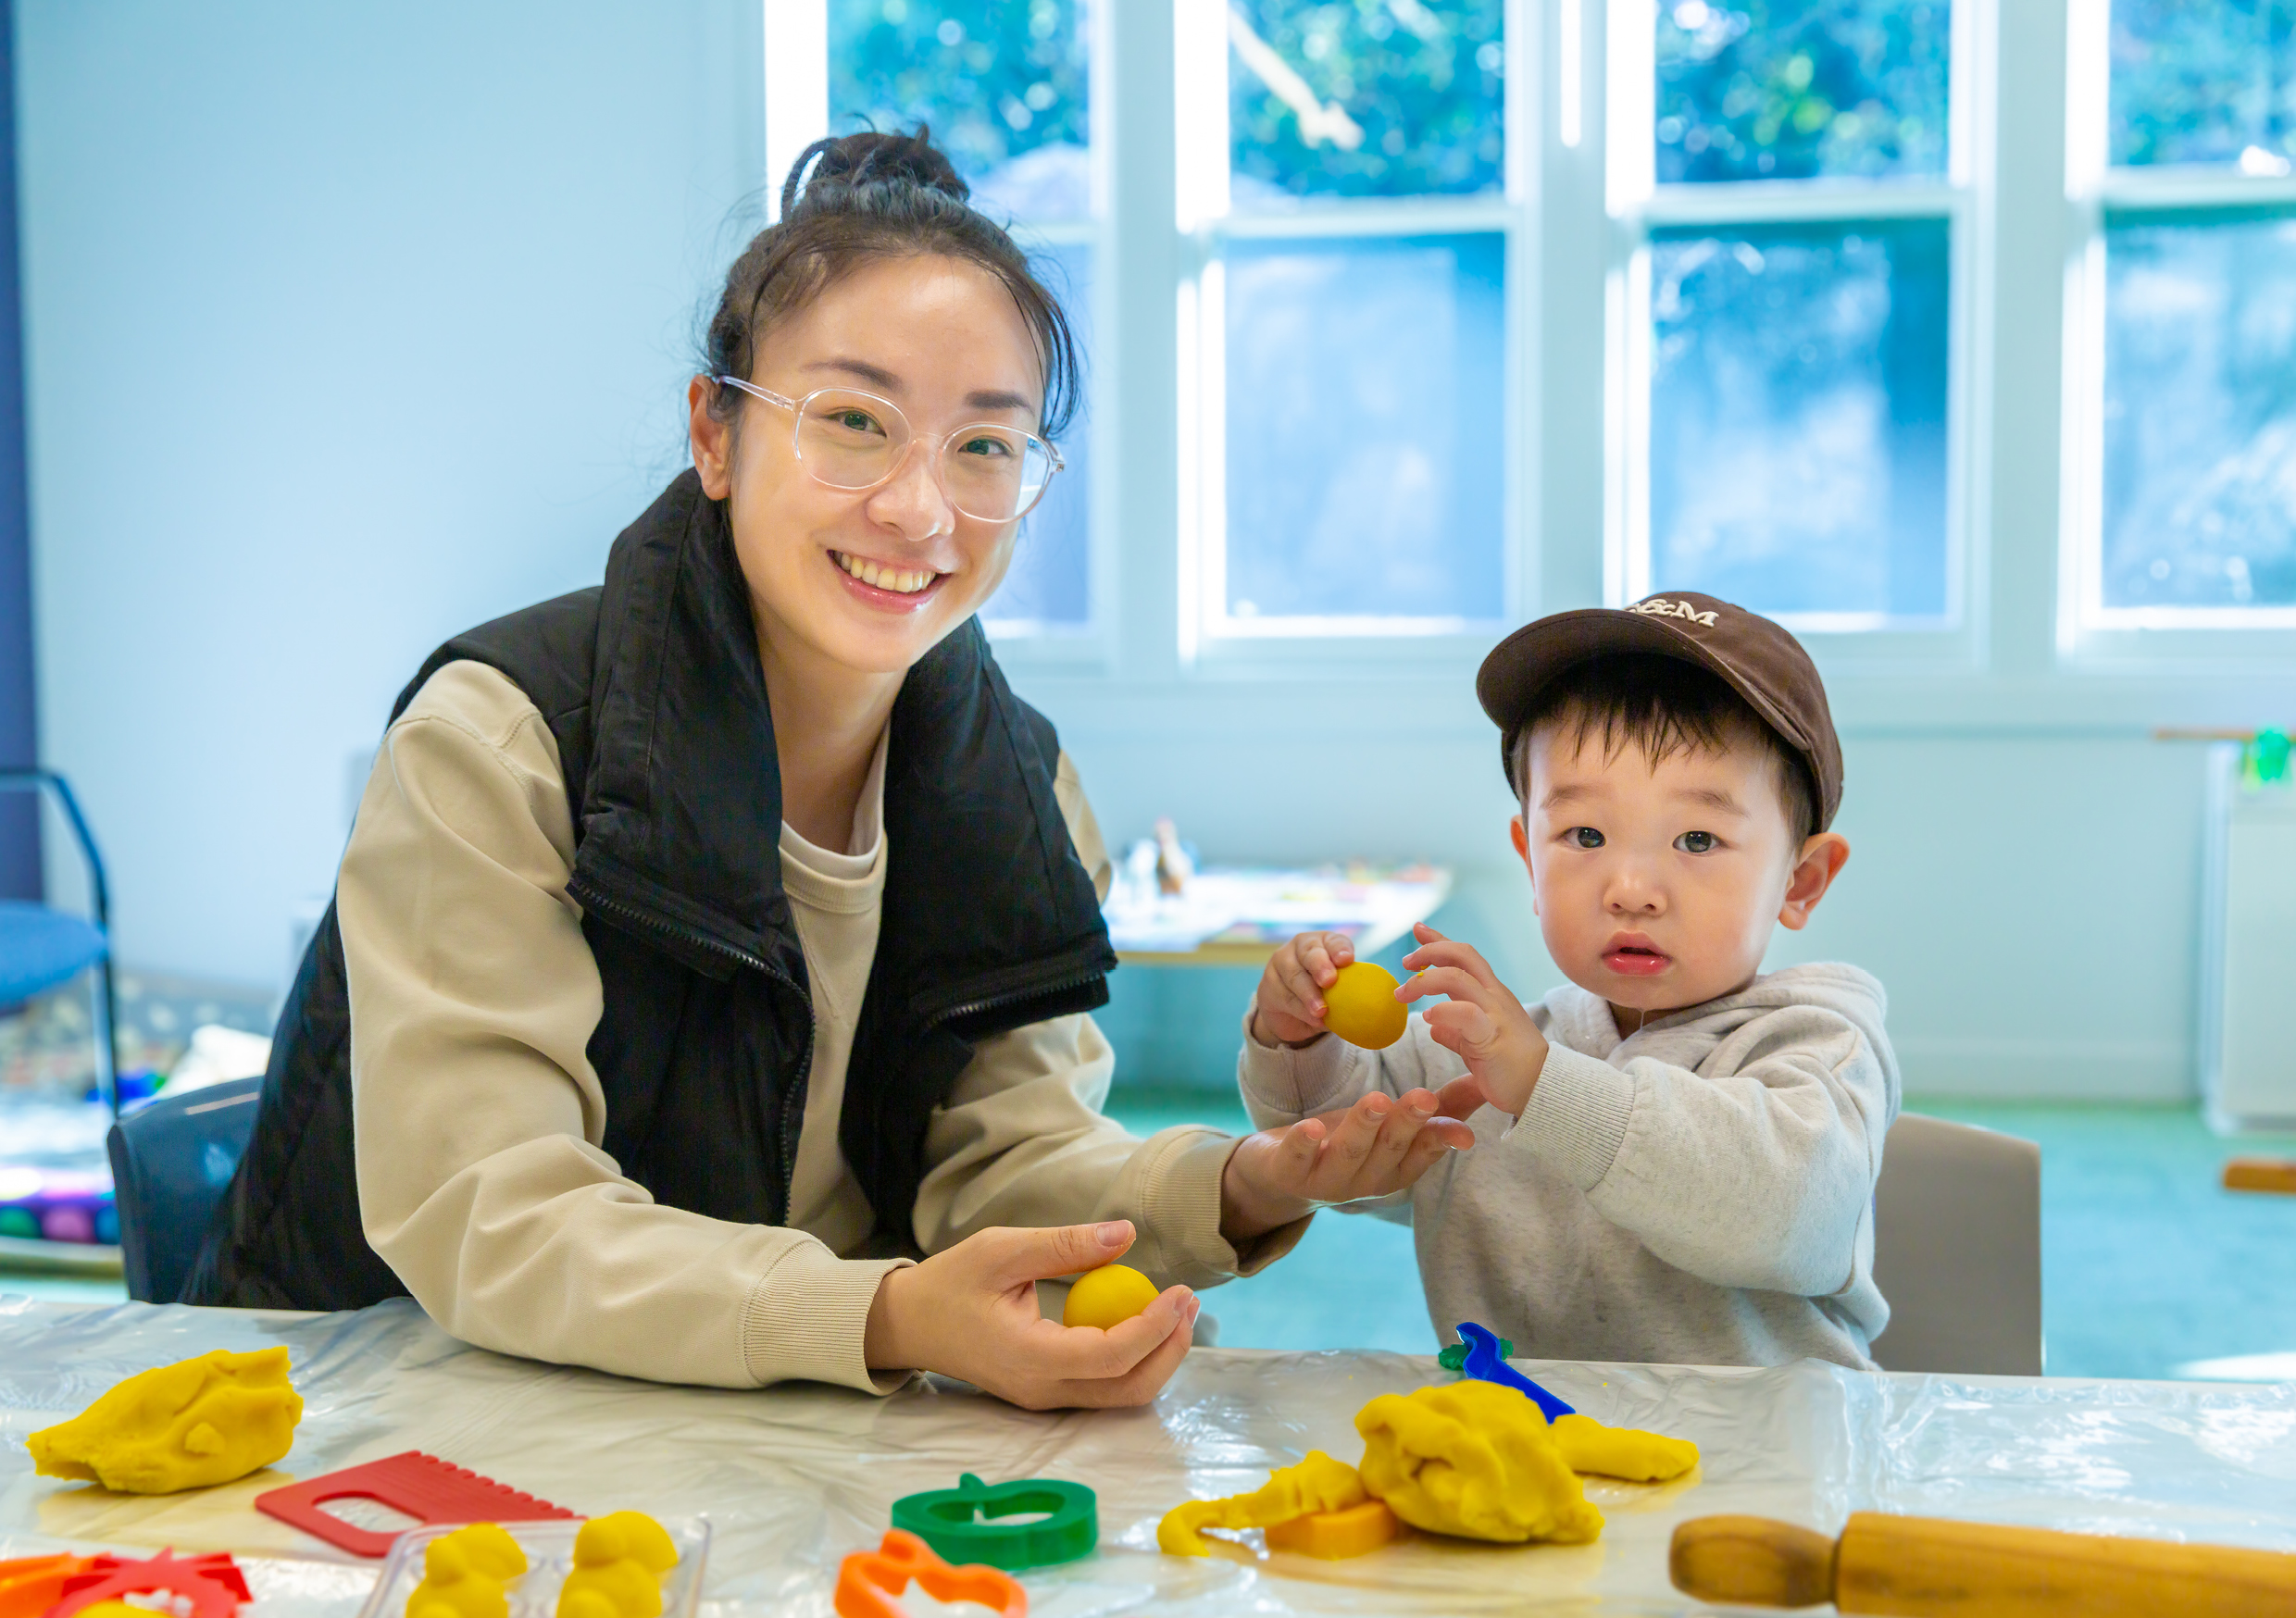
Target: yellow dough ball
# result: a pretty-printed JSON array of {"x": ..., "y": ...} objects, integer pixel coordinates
[
  {"x": 1108, "y": 1296},
  {"x": 1361, "y": 1007}
]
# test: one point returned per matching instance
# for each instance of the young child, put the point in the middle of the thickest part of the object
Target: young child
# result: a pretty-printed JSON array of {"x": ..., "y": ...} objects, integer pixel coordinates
[{"x": 1675, "y": 1152}]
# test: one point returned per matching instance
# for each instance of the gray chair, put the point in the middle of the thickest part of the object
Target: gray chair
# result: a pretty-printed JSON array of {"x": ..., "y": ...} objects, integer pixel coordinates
[
  {"x": 1957, "y": 1250},
  {"x": 171, "y": 1162}
]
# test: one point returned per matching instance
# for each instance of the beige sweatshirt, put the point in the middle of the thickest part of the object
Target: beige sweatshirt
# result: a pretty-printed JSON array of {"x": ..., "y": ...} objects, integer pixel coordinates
[{"x": 477, "y": 1119}]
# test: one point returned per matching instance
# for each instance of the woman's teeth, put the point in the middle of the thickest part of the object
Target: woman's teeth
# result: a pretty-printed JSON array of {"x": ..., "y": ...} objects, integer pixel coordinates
[{"x": 900, "y": 580}]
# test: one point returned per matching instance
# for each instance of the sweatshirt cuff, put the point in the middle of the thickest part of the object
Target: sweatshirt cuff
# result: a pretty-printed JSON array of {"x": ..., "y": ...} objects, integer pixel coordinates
[
  {"x": 1180, "y": 1203},
  {"x": 808, "y": 1316},
  {"x": 1280, "y": 1082},
  {"x": 1577, "y": 1118}
]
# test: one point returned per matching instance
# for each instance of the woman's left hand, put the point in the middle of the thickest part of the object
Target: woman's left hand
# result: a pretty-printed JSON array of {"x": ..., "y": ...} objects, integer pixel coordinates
[{"x": 1375, "y": 1147}]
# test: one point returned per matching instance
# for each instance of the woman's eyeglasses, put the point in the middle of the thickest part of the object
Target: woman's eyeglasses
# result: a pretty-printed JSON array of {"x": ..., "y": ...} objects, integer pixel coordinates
[{"x": 849, "y": 440}]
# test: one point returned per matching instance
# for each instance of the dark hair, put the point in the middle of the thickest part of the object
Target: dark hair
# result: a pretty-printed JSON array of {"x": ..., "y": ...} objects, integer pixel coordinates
[
  {"x": 1662, "y": 706},
  {"x": 873, "y": 196}
]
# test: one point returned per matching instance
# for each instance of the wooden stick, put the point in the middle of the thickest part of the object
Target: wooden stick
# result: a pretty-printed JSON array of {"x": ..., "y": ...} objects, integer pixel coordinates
[{"x": 1939, "y": 1569}]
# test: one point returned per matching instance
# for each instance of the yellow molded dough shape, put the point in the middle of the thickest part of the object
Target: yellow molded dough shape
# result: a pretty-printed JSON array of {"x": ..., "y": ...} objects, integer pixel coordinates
[
  {"x": 185, "y": 1425},
  {"x": 1627, "y": 1453},
  {"x": 1108, "y": 1296},
  {"x": 1476, "y": 1460},
  {"x": 467, "y": 1574},
  {"x": 1317, "y": 1483},
  {"x": 1361, "y": 1007},
  {"x": 618, "y": 1563}
]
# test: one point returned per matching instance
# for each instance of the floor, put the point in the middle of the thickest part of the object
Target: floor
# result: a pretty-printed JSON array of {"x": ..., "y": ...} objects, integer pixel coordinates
[{"x": 2149, "y": 1269}]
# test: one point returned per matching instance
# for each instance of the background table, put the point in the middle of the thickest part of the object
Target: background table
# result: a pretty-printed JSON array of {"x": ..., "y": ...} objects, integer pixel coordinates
[
  {"x": 793, "y": 1477},
  {"x": 1236, "y": 916}
]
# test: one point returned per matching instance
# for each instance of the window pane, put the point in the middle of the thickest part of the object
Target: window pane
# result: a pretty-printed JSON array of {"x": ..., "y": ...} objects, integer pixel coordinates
[
  {"x": 1797, "y": 421},
  {"x": 2200, "y": 414},
  {"x": 1802, "y": 88},
  {"x": 1366, "y": 428},
  {"x": 1365, "y": 98},
  {"x": 1047, "y": 586},
  {"x": 1001, "y": 82},
  {"x": 2204, "y": 82}
]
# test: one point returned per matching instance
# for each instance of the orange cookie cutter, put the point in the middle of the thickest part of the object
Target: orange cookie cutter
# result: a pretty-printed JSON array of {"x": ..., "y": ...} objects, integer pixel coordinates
[
  {"x": 30, "y": 1585},
  {"x": 868, "y": 1581},
  {"x": 1329, "y": 1535}
]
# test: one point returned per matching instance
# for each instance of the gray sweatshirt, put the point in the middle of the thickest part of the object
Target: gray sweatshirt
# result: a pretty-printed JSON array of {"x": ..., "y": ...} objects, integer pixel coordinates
[{"x": 1700, "y": 1192}]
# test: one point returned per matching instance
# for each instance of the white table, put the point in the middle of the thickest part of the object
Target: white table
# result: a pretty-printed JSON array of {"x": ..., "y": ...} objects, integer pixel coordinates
[{"x": 794, "y": 1477}]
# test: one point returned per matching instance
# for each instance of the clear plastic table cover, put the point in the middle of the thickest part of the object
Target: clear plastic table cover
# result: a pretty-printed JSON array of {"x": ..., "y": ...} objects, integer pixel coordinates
[{"x": 791, "y": 1478}]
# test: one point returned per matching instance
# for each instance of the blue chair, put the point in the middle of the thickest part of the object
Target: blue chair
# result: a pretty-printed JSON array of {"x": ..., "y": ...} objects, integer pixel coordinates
[
  {"x": 41, "y": 948},
  {"x": 171, "y": 1162}
]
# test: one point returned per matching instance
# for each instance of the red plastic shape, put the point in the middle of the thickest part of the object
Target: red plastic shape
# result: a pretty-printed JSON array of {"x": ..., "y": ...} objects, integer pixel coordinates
[
  {"x": 868, "y": 1581},
  {"x": 213, "y": 1584},
  {"x": 422, "y": 1486}
]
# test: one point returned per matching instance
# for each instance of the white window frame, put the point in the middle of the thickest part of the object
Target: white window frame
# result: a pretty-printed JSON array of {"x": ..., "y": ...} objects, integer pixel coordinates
[
  {"x": 2100, "y": 195},
  {"x": 1211, "y": 640},
  {"x": 1637, "y": 207}
]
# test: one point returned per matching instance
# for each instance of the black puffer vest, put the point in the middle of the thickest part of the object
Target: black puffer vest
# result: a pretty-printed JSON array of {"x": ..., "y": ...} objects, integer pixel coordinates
[{"x": 652, "y": 687}]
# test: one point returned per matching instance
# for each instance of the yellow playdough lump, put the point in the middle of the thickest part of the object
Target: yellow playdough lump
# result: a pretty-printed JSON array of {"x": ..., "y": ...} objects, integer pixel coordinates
[
  {"x": 467, "y": 1574},
  {"x": 618, "y": 1563},
  {"x": 1108, "y": 1296},
  {"x": 186, "y": 1425},
  {"x": 1361, "y": 1007},
  {"x": 1317, "y": 1483},
  {"x": 1476, "y": 1460},
  {"x": 1627, "y": 1453}
]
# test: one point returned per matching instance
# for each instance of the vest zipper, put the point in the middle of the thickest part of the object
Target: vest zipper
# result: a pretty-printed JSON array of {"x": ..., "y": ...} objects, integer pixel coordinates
[
  {"x": 1035, "y": 991},
  {"x": 591, "y": 898}
]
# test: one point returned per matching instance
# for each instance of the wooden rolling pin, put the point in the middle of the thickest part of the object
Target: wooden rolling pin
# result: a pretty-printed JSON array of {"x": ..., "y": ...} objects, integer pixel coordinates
[{"x": 1939, "y": 1569}]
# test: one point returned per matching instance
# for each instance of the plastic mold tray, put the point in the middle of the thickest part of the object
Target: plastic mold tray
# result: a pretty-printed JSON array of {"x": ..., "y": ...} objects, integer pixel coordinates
[{"x": 549, "y": 1547}]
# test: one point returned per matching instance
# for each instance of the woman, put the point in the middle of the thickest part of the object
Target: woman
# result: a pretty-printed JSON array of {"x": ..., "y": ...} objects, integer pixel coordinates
[{"x": 714, "y": 943}]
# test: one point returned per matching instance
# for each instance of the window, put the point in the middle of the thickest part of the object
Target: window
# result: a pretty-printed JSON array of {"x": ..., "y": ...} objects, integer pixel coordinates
[
  {"x": 1347, "y": 327},
  {"x": 1783, "y": 343},
  {"x": 1005, "y": 87},
  {"x": 2181, "y": 334}
]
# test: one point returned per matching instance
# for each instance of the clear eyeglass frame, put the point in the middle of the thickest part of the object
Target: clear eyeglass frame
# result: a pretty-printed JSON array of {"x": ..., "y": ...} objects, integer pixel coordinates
[{"x": 1026, "y": 492}]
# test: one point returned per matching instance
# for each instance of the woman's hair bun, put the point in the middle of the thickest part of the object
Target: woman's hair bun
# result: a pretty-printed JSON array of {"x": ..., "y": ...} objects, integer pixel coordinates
[{"x": 846, "y": 163}]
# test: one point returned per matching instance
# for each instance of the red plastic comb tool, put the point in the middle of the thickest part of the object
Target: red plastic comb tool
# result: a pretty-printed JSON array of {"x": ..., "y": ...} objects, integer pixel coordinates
[{"x": 421, "y": 1485}]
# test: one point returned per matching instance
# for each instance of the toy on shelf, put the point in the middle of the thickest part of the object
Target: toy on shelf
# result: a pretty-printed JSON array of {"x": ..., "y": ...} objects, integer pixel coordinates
[
  {"x": 202, "y": 1586},
  {"x": 618, "y": 1563},
  {"x": 1885, "y": 1564},
  {"x": 198, "y": 1422},
  {"x": 1361, "y": 1007},
  {"x": 1476, "y": 1460},
  {"x": 59, "y": 1204},
  {"x": 1318, "y": 1485},
  {"x": 962, "y": 1525},
  {"x": 869, "y": 1580},
  {"x": 1485, "y": 1360},
  {"x": 2261, "y": 1174},
  {"x": 467, "y": 1574},
  {"x": 1108, "y": 1296},
  {"x": 422, "y": 1487}
]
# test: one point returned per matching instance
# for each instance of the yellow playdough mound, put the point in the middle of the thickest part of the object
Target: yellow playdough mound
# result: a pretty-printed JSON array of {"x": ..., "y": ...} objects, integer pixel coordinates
[
  {"x": 1108, "y": 1296},
  {"x": 1476, "y": 1460},
  {"x": 467, "y": 1574},
  {"x": 1361, "y": 1007},
  {"x": 618, "y": 1563},
  {"x": 185, "y": 1425}
]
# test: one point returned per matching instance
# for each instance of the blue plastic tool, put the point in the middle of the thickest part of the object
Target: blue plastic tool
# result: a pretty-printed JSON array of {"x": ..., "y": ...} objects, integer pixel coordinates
[{"x": 1485, "y": 1361}]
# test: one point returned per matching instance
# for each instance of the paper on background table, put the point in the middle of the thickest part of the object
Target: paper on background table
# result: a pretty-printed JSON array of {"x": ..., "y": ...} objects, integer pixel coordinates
[
  {"x": 794, "y": 1477},
  {"x": 1238, "y": 916}
]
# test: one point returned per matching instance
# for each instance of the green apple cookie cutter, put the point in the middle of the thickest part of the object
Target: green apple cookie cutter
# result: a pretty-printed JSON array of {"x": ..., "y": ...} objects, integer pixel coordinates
[{"x": 965, "y": 1524}]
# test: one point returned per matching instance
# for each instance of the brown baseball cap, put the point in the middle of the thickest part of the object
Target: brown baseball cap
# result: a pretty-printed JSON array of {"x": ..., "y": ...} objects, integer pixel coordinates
[{"x": 1756, "y": 658}]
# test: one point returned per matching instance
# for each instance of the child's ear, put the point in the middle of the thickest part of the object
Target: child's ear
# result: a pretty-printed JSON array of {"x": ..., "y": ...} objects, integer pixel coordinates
[
  {"x": 1820, "y": 862},
  {"x": 1521, "y": 840}
]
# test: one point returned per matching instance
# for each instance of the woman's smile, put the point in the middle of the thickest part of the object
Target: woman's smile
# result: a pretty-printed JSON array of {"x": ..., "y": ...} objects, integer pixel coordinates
[{"x": 887, "y": 585}]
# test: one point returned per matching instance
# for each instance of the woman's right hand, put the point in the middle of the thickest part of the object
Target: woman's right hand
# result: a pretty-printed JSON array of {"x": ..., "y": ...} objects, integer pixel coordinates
[
  {"x": 971, "y": 1312},
  {"x": 1288, "y": 1006}
]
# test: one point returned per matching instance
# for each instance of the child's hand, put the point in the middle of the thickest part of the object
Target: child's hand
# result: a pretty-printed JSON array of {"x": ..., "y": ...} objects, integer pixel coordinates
[
  {"x": 1377, "y": 1147},
  {"x": 1486, "y": 1025},
  {"x": 971, "y": 1312},
  {"x": 1289, "y": 1004}
]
